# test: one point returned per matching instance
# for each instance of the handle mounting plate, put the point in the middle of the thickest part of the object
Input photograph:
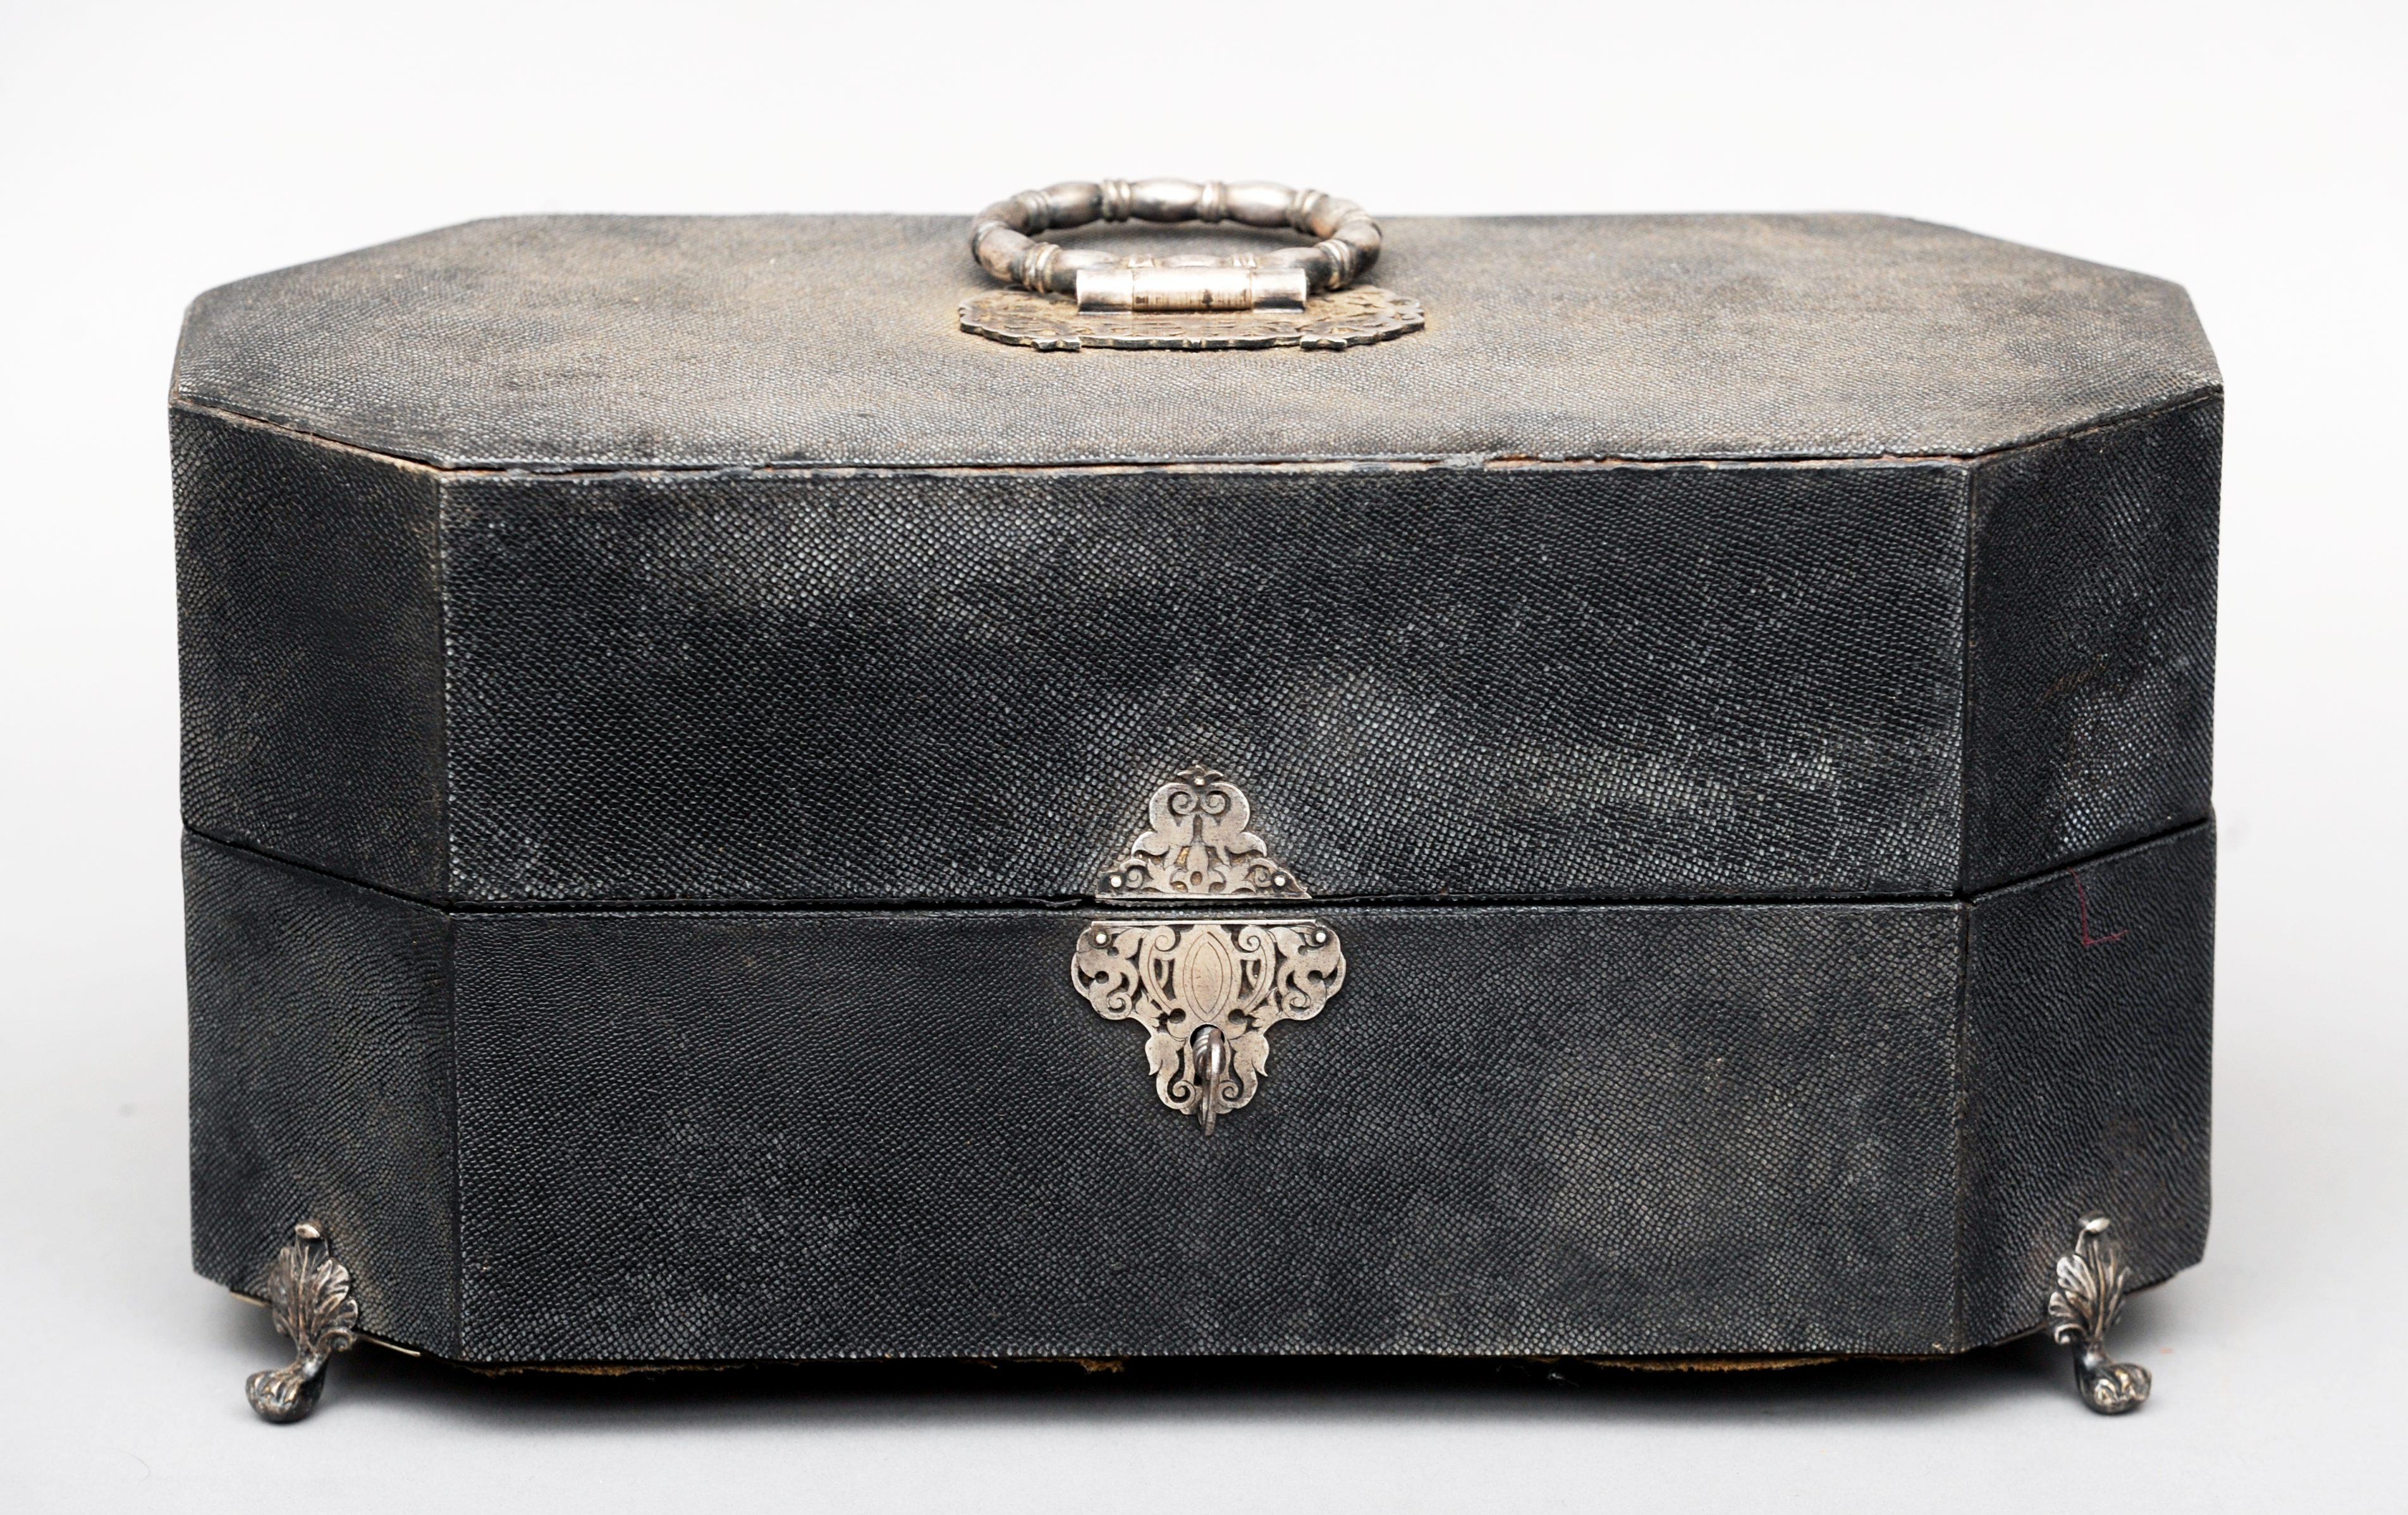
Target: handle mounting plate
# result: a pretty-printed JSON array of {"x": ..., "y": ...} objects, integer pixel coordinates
[{"x": 1355, "y": 316}]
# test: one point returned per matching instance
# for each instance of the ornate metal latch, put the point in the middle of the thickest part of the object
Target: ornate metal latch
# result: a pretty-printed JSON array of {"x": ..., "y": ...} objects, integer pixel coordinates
[{"x": 1207, "y": 987}]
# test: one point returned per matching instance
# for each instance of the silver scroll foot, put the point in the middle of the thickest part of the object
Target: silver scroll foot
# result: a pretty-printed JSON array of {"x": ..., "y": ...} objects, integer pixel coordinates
[
  {"x": 2082, "y": 1307},
  {"x": 310, "y": 1295}
]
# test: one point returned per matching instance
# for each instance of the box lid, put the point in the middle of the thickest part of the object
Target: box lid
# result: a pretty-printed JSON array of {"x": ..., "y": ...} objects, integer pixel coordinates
[
  {"x": 586, "y": 559},
  {"x": 616, "y": 341}
]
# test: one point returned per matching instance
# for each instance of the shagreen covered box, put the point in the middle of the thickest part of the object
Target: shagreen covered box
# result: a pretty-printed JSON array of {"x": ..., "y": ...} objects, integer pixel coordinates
[{"x": 1638, "y": 788}]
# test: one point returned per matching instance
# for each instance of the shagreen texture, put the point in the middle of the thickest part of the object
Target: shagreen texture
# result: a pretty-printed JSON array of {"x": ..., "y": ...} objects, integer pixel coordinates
[{"x": 660, "y": 712}]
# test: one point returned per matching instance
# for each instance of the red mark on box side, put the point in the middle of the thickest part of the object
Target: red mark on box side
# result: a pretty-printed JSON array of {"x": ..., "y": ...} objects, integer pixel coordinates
[{"x": 2081, "y": 910}]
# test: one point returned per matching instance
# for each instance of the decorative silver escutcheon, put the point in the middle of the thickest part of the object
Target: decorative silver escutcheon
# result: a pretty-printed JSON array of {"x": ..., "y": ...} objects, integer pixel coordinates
[
  {"x": 310, "y": 1297},
  {"x": 1198, "y": 843},
  {"x": 2082, "y": 1307},
  {"x": 1208, "y": 992},
  {"x": 1208, "y": 988}
]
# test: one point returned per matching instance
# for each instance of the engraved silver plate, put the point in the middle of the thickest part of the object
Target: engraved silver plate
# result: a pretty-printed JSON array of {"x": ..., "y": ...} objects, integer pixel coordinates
[
  {"x": 1198, "y": 843},
  {"x": 1207, "y": 987},
  {"x": 1350, "y": 317},
  {"x": 1208, "y": 992}
]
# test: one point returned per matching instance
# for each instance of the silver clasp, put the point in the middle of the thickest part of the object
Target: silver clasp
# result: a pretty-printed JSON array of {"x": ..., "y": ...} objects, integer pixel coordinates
[{"x": 1207, "y": 987}]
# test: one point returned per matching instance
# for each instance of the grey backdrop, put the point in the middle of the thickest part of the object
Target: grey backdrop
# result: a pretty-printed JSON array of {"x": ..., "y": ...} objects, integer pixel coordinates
[{"x": 148, "y": 152}]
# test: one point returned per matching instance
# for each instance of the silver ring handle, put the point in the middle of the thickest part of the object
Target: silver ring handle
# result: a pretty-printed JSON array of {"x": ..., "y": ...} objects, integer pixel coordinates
[{"x": 1004, "y": 239}]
